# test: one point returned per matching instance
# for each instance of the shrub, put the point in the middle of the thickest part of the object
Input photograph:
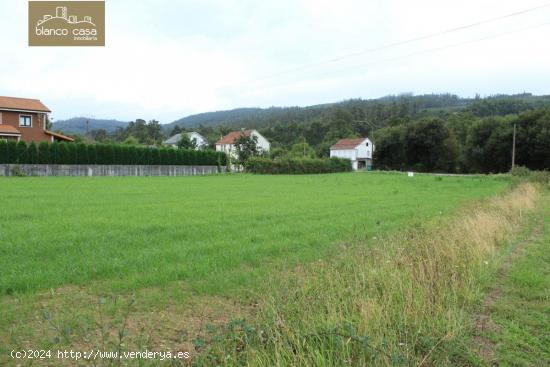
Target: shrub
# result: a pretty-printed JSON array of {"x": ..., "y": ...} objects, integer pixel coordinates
[
  {"x": 12, "y": 152},
  {"x": 4, "y": 157},
  {"x": 92, "y": 154},
  {"x": 82, "y": 153},
  {"x": 43, "y": 153},
  {"x": 21, "y": 152},
  {"x": 72, "y": 154},
  {"x": 520, "y": 171},
  {"x": 63, "y": 153},
  {"x": 32, "y": 153},
  {"x": 297, "y": 165}
]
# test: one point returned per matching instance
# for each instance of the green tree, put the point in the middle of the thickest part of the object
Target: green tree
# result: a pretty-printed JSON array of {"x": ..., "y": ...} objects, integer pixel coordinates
[
  {"x": 186, "y": 143},
  {"x": 63, "y": 154},
  {"x": 246, "y": 147},
  {"x": 21, "y": 152},
  {"x": 302, "y": 149},
  {"x": 32, "y": 153},
  {"x": 81, "y": 153},
  {"x": 4, "y": 155},
  {"x": 44, "y": 153},
  {"x": 92, "y": 154}
]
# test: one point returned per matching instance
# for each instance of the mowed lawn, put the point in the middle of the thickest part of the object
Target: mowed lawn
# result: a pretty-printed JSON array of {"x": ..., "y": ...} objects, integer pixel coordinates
[{"x": 214, "y": 233}]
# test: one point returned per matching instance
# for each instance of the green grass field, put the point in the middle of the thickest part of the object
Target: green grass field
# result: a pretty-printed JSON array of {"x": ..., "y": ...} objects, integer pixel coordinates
[
  {"x": 168, "y": 262},
  {"x": 216, "y": 233}
]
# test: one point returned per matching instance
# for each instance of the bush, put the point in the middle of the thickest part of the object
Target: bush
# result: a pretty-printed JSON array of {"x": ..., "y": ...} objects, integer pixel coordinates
[
  {"x": 12, "y": 152},
  {"x": 21, "y": 152},
  {"x": 521, "y": 174},
  {"x": 520, "y": 171},
  {"x": 32, "y": 153},
  {"x": 4, "y": 156},
  {"x": 297, "y": 165},
  {"x": 43, "y": 153}
]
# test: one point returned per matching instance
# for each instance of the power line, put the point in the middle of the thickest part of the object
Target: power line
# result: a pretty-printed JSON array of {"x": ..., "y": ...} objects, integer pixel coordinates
[
  {"x": 427, "y": 51},
  {"x": 401, "y": 43}
]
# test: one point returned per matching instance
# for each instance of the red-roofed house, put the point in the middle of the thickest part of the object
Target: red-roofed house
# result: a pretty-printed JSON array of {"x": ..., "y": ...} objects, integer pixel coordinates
[
  {"x": 358, "y": 151},
  {"x": 25, "y": 119},
  {"x": 227, "y": 143}
]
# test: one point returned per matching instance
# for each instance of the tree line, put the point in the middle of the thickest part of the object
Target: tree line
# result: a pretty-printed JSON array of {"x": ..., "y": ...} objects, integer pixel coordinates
[
  {"x": 12, "y": 152},
  {"x": 463, "y": 143},
  {"x": 438, "y": 132}
]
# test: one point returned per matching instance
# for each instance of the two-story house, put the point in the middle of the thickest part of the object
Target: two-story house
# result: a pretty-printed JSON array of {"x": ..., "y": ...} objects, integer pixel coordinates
[
  {"x": 358, "y": 151},
  {"x": 227, "y": 143},
  {"x": 25, "y": 119}
]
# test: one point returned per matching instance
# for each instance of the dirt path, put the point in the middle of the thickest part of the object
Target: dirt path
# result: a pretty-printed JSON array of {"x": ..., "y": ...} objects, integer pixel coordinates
[{"x": 483, "y": 321}]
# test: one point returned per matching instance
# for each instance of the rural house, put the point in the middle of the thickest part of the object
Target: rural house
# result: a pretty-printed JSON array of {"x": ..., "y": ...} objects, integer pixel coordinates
[
  {"x": 25, "y": 119},
  {"x": 200, "y": 141},
  {"x": 358, "y": 151},
  {"x": 227, "y": 143}
]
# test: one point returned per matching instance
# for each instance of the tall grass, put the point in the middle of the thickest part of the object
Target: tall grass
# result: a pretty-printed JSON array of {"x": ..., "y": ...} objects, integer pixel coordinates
[{"x": 401, "y": 300}]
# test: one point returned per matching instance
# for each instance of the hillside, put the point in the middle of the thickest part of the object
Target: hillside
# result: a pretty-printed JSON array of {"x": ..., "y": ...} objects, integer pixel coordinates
[
  {"x": 378, "y": 110},
  {"x": 77, "y": 125},
  {"x": 373, "y": 109}
]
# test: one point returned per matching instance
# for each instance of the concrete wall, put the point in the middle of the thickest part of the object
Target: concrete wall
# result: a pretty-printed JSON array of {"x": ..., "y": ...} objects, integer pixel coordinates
[{"x": 104, "y": 170}]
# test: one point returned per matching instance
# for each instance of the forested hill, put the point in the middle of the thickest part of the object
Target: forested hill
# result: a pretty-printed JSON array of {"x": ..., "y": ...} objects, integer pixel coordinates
[
  {"x": 78, "y": 125},
  {"x": 373, "y": 109}
]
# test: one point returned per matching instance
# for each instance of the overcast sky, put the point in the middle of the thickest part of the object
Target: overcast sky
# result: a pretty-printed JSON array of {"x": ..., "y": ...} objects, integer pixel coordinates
[{"x": 167, "y": 59}]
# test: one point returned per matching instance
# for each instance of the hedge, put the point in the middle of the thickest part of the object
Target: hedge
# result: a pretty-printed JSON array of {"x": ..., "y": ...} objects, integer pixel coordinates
[
  {"x": 297, "y": 165},
  {"x": 79, "y": 153}
]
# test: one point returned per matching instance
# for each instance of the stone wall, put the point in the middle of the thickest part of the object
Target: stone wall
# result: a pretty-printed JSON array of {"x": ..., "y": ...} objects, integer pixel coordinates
[{"x": 104, "y": 170}]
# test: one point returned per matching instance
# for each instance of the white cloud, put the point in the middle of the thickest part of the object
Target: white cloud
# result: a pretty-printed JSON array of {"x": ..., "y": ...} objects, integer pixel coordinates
[{"x": 166, "y": 59}]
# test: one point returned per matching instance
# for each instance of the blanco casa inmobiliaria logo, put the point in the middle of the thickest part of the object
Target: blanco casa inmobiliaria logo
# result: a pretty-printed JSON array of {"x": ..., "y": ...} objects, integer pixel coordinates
[{"x": 63, "y": 23}]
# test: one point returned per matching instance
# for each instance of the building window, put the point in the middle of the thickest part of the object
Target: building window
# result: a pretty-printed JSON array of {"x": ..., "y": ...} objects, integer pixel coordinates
[
  {"x": 25, "y": 121},
  {"x": 367, "y": 143}
]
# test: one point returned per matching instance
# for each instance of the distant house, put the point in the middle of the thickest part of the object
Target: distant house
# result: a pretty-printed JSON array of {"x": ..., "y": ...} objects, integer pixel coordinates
[
  {"x": 358, "y": 151},
  {"x": 25, "y": 119},
  {"x": 200, "y": 140},
  {"x": 227, "y": 143}
]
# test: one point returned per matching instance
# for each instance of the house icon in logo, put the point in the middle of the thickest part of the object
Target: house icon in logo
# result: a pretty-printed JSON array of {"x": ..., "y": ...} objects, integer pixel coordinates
[{"x": 61, "y": 13}]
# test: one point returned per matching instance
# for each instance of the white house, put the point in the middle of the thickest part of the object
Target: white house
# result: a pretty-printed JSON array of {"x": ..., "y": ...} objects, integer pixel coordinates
[
  {"x": 358, "y": 151},
  {"x": 227, "y": 143},
  {"x": 200, "y": 140}
]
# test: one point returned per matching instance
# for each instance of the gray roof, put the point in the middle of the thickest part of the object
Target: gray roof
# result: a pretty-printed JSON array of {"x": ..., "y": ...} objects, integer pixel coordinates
[{"x": 173, "y": 139}]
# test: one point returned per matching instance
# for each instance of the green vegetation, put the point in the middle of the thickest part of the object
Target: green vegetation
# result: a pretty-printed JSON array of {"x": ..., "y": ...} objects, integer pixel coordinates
[
  {"x": 405, "y": 300},
  {"x": 297, "y": 165},
  {"x": 463, "y": 143},
  {"x": 205, "y": 230},
  {"x": 437, "y": 132},
  {"x": 351, "y": 268},
  {"x": 519, "y": 334},
  {"x": 79, "y": 153}
]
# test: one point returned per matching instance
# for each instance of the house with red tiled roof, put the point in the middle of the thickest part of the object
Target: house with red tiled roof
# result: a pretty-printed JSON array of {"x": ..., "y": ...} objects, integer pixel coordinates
[
  {"x": 358, "y": 150},
  {"x": 25, "y": 119},
  {"x": 226, "y": 144}
]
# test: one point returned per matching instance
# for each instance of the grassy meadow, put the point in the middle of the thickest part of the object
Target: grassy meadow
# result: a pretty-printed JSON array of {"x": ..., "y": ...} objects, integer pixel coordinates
[
  {"x": 216, "y": 233},
  {"x": 365, "y": 268}
]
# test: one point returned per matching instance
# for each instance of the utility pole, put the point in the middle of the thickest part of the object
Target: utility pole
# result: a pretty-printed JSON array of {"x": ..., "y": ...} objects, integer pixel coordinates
[{"x": 514, "y": 148}]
